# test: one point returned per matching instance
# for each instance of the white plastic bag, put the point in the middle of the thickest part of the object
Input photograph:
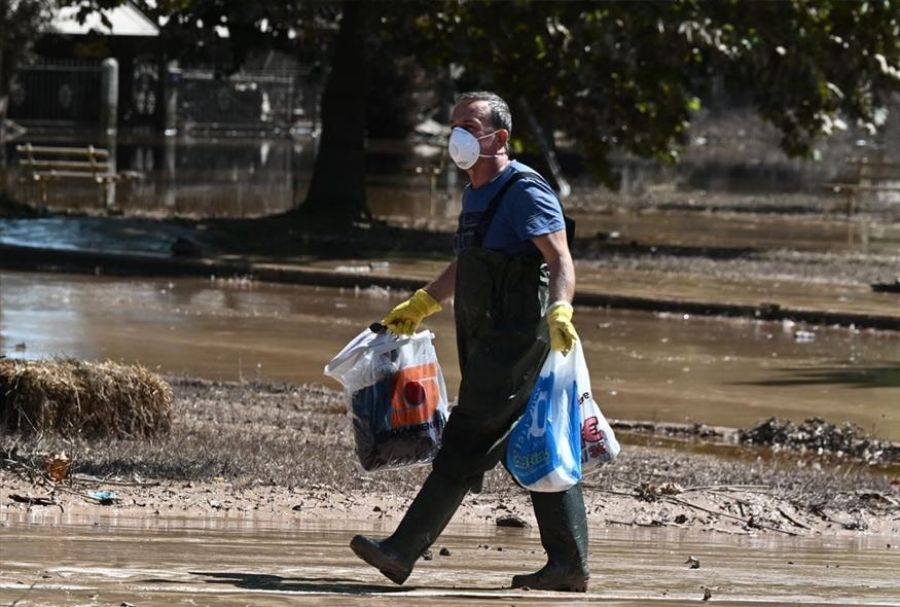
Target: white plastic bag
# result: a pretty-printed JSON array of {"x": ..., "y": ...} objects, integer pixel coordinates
[
  {"x": 562, "y": 433},
  {"x": 396, "y": 396},
  {"x": 544, "y": 449},
  {"x": 598, "y": 441}
]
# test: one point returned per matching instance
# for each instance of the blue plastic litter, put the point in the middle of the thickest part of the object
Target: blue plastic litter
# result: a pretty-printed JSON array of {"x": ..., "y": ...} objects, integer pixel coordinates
[{"x": 104, "y": 497}]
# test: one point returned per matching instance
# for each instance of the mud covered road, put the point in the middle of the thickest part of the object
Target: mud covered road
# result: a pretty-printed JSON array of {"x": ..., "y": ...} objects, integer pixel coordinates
[
  {"x": 99, "y": 559},
  {"x": 255, "y": 494}
]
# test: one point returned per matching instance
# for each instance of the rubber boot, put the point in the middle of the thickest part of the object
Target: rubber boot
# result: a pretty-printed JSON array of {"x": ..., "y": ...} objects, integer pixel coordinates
[
  {"x": 563, "y": 526},
  {"x": 429, "y": 513}
]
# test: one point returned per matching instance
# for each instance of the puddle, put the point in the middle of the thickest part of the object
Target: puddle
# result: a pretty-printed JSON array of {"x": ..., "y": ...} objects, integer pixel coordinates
[
  {"x": 644, "y": 366},
  {"x": 108, "y": 560}
]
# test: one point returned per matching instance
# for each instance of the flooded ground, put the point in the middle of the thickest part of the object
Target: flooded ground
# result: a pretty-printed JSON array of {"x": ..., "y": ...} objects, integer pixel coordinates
[
  {"x": 834, "y": 233},
  {"x": 691, "y": 257},
  {"x": 54, "y": 559},
  {"x": 727, "y": 233},
  {"x": 645, "y": 366}
]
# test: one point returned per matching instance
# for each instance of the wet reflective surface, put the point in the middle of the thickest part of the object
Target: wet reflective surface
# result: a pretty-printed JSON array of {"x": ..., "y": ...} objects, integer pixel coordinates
[
  {"x": 732, "y": 234},
  {"x": 196, "y": 177},
  {"x": 644, "y": 366},
  {"x": 414, "y": 184},
  {"x": 836, "y": 234},
  {"x": 53, "y": 559}
]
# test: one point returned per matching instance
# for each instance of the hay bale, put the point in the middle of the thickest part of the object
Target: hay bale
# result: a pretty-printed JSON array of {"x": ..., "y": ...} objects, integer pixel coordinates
[{"x": 78, "y": 398}]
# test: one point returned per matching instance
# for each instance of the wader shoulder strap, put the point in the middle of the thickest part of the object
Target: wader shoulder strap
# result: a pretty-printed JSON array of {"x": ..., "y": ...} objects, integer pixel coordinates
[{"x": 488, "y": 216}]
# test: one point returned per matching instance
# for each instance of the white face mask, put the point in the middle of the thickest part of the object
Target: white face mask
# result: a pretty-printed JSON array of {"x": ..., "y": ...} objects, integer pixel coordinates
[{"x": 464, "y": 148}]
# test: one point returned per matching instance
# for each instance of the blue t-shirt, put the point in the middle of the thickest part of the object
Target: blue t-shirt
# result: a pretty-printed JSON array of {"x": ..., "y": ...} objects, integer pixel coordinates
[{"x": 530, "y": 208}]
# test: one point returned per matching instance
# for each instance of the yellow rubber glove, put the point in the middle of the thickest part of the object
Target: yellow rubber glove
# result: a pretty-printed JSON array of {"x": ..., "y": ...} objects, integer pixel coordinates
[
  {"x": 406, "y": 317},
  {"x": 562, "y": 331}
]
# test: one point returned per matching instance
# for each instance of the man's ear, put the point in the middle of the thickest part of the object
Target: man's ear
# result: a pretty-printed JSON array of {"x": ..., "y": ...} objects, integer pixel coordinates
[{"x": 503, "y": 138}]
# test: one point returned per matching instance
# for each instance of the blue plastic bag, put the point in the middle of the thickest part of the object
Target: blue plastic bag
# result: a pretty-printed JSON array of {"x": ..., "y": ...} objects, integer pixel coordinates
[{"x": 544, "y": 449}]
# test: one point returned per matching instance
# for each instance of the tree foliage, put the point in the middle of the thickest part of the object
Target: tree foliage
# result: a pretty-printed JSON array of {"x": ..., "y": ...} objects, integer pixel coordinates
[
  {"x": 612, "y": 75},
  {"x": 21, "y": 22},
  {"x": 630, "y": 75}
]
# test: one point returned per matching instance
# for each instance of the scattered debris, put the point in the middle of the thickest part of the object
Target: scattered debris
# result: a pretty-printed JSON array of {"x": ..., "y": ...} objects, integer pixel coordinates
[
  {"x": 692, "y": 562},
  {"x": 887, "y": 287},
  {"x": 444, "y": 551},
  {"x": 353, "y": 269},
  {"x": 707, "y": 594},
  {"x": 57, "y": 466},
  {"x": 671, "y": 429},
  {"x": 649, "y": 492},
  {"x": 690, "y": 488},
  {"x": 185, "y": 247},
  {"x": 512, "y": 521},
  {"x": 804, "y": 337},
  {"x": 670, "y": 489},
  {"x": 793, "y": 519},
  {"x": 856, "y": 523},
  {"x": 33, "y": 501},
  {"x": 821, "y": 437},
  {"x": 104, "y": 498}
]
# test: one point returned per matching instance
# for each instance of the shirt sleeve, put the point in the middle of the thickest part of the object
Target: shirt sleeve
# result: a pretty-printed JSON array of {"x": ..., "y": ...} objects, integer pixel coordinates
[{"x": 536, "y": 209}]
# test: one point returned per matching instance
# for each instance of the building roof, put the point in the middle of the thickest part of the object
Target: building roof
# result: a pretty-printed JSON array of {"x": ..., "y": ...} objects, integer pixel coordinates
[{"x": 125, "y": 20}]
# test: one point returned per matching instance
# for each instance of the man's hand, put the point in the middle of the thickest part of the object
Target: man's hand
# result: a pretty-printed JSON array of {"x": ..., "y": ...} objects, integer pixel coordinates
[
  {"x": 406, "y": 317},
  {"x": 562, "y": 331}
]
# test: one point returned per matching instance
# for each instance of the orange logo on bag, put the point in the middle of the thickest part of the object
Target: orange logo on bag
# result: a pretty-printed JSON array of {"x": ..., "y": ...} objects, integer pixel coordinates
[{"x": 415, "y": 396}]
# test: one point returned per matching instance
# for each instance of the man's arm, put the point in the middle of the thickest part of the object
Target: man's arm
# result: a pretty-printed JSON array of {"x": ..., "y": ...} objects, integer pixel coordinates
[
  {"x": 406, "y": 317},
  {"x": 442, "y": 287},
  {"x": 555, "y": 249}
]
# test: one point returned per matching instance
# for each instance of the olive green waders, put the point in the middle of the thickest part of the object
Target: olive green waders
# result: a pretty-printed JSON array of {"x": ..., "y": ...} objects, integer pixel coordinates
[{"x": 499, "y": 304}]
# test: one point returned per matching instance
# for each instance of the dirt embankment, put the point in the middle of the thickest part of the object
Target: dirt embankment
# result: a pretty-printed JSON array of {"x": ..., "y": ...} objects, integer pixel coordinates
[{"x": 286, "y": 452}]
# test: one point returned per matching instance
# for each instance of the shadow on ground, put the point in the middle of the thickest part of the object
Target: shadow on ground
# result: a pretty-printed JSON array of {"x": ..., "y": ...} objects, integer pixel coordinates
[
  {"x": 884, "y": 376},
  {"x": 260, "y": 581}
]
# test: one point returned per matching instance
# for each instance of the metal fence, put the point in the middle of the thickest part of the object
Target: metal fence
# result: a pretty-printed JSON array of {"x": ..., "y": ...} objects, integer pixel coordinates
[
  {"x": 259, "y": 101},
  {"x": 66, "y": 93},
  {"x": 58, "y": 92}
]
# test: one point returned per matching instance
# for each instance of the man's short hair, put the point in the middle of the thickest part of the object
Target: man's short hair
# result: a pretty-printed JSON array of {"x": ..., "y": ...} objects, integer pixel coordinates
[{"x": 500, "y": 116}]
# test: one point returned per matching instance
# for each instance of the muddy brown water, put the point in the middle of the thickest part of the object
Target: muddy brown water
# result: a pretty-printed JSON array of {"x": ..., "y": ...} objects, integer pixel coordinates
[
  {"x": 644, "y": 366},
  {"x": 50, "y": 558},
  {"x": 833, "y": 234},
  {"x": 821, "y": 234}
]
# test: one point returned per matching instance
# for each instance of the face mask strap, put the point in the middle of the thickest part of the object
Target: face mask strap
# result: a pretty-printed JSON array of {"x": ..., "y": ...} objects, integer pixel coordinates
[{"x": 502, "y": 152}]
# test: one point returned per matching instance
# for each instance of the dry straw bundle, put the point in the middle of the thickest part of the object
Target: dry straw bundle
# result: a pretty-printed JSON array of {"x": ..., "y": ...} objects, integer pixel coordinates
[{"x": 78, "y": 398}]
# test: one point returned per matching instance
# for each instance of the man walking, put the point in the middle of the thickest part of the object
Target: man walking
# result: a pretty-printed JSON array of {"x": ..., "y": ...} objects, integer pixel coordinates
[{"x": 512, "y": 281}]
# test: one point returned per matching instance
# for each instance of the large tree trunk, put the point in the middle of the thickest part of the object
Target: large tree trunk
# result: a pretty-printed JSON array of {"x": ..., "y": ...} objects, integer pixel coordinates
[
  {"x": 4, "y": 103},
  {"x": 337, "y": 192}
]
